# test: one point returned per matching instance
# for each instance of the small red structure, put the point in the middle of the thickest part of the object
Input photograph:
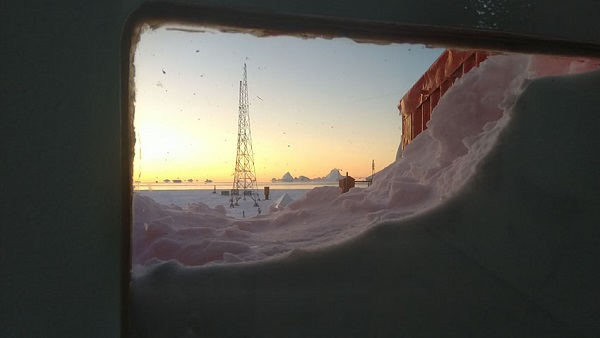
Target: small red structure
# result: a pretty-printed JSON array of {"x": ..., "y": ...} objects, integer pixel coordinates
[
  {"x": 418, "y": 103},
  {"x": 346, "y": 183}
]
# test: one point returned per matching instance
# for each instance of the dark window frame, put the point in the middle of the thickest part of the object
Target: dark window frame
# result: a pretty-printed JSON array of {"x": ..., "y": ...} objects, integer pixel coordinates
[{"x": 263, "y": 23}]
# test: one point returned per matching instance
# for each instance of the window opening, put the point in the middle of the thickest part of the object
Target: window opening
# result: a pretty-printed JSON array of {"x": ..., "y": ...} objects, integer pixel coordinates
[{"x": 171, "y": 233}]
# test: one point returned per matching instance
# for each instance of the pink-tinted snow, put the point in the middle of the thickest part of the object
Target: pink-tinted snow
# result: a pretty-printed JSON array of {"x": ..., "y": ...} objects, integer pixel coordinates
[
  {"x": 434, "y": 167},
  {"x": 487, "y": 226}
]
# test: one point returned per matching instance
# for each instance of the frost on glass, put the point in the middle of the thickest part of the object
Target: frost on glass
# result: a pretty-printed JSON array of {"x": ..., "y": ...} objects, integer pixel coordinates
[{"x": 495, "y": 14}]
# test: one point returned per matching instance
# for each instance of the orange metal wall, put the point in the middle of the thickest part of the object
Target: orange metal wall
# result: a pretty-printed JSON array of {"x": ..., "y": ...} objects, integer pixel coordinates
[{"x": 418, "y": 103}]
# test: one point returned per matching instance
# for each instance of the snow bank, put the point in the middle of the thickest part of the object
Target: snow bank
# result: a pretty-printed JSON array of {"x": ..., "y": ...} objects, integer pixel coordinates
[
  {"x": 436, "y": 165},
  {"x": 488, "y": 225},
  {"x": 281, "y": 203}
]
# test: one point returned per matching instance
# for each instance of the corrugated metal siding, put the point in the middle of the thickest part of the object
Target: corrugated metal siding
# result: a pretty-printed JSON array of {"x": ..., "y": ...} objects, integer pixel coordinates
[{"x": 418, "y": 103}]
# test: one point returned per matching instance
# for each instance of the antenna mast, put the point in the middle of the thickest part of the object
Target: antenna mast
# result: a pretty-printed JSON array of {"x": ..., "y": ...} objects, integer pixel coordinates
[{"x": 244, "y": 181}]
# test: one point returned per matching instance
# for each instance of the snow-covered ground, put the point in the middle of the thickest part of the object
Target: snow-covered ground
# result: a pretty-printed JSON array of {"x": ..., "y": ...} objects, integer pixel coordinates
[
  {"x": 487, "y": 226},
  {"x": 176, "y": 199}
]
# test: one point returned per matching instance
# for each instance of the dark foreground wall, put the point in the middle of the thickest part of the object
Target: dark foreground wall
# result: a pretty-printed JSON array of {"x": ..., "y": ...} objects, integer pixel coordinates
[{"x": 62, "y": 174}]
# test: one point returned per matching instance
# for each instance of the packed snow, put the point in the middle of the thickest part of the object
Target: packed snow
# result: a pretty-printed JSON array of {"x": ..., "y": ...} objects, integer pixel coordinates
[{"x": 487, "y": 225}]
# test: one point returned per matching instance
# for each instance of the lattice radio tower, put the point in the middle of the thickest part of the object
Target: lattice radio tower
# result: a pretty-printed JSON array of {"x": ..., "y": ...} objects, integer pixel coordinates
[{"x": 244, "y": 182}]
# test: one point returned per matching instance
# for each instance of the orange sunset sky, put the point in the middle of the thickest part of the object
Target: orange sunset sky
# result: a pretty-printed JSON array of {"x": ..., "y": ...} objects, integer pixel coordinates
[{"x": 315, "y": 104}]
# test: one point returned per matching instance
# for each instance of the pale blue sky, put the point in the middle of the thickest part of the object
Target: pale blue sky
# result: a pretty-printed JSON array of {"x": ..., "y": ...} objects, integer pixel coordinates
[{"x": 311, "y": 100}]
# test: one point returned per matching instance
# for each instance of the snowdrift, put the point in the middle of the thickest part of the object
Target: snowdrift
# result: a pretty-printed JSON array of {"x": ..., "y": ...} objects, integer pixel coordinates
[{"x": 487, "y": 226}]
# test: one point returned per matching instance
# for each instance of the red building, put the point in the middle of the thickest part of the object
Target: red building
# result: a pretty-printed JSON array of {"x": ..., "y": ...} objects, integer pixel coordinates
[
  {"x": 418, "y": 103},
  {"x": 346, "y": 183}
]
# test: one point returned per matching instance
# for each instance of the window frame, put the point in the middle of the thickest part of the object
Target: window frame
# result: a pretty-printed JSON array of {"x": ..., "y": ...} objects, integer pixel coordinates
[{"x": 264, "y": 24}]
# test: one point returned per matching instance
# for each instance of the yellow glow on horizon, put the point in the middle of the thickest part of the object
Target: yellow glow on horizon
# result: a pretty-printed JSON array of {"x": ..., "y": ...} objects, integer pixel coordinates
[{"x": 315, "y": 105}]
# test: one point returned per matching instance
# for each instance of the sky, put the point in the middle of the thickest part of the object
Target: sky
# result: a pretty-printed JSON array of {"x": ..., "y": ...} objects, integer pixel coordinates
[{"x": 315, "y": 104}]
